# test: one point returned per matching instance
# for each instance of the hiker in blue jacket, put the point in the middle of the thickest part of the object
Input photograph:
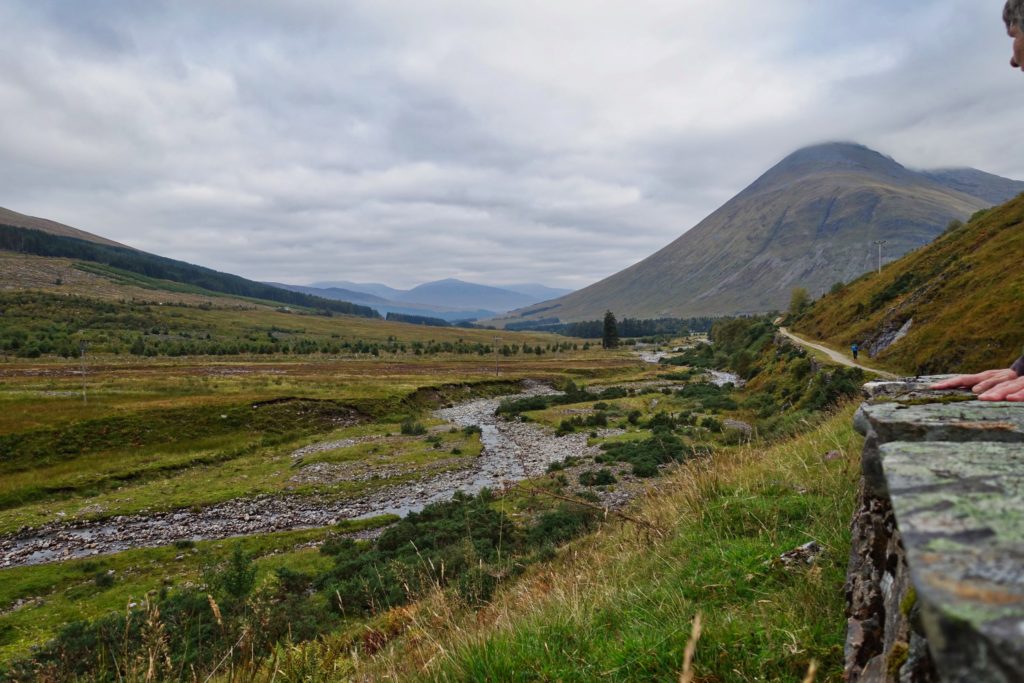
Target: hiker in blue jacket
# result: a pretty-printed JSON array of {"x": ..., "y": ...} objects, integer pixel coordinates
[{"x": 855, "y": 350}]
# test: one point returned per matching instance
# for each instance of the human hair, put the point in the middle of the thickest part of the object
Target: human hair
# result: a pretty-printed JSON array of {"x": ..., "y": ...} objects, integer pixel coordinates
[{"x": 1013, "y": 14}]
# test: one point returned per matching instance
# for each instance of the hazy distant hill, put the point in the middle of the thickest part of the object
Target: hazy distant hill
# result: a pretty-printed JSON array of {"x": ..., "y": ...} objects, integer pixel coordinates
[
  {"x": 377, "y": 289},
  {"x": 458, "y": 294},
  {"x": 952, "y": 306},
  {"x": 385, "y": 306},
  {"x": 451, "y": 294},
  {"x": 809, "y": 221},
  {"x": 332, "y": 293}
]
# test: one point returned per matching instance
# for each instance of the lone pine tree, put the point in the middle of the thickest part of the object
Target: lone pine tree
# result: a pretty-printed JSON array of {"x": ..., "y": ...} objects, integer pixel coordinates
[{"x": 610, "y": 337}]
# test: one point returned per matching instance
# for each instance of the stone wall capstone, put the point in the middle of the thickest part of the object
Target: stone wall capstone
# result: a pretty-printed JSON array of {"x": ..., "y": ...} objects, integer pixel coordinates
[{"x": 935, "y": 587}]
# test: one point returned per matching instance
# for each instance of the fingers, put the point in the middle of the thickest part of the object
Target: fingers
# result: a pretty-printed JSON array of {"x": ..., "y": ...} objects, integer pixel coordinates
[
  {"x": 956, "y": 382},
  {"x": 994, "y": 380},
  {"x": 980, "y": 382},
  {"x": 1003, "y": 391}
]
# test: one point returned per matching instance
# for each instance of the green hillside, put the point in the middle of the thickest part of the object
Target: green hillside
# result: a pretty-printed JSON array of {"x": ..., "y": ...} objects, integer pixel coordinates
[
  {"x": 130, "y": 261},
  {"x": 960, "y": 295},
  {"x": 20, "y": 220}
]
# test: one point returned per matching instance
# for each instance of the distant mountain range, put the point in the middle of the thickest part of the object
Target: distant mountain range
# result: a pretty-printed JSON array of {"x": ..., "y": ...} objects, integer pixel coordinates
[
  {"x": 448, "y": 299},
  {"x": 385, "y": 306},
  {"x": 810, "y": 221}
]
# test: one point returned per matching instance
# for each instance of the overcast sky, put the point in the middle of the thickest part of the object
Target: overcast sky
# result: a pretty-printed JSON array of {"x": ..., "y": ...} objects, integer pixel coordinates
[{"x": 401, "y": 141}]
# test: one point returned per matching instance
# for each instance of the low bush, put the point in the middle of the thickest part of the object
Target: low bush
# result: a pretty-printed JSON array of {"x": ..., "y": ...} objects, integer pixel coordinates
[
  {"x": 410, "y": 427},
  {"x": 645, "y": 456},
  {"x": 601, "y": 477}
]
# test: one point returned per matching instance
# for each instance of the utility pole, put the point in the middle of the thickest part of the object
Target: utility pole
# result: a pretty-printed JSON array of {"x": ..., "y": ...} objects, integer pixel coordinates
[
  {"x": 496, "y": 340},
  {"x": 880, "y": 243},
  {"x": 81, "y": 355}
]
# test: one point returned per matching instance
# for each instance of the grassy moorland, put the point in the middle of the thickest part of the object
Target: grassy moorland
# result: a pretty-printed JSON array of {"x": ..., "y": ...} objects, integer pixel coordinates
[
  {"x": 961, "y": 293},
  {"x": 167, "y": 434},
  {"x": 619, "y": 605},
  {"x": 129, "y": 432},
  {"x": 712, "y": 537},
  {"x": 162, "y": 434},
  {"x": 483, "y": 587},
  {"x": 188, "y": 400}
]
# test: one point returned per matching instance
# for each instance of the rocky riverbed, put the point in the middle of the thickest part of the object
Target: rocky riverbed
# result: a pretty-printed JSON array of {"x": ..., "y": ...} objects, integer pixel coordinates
[
  {"x": 716, "y": 377},
  {"x": 512, "y": 451}
]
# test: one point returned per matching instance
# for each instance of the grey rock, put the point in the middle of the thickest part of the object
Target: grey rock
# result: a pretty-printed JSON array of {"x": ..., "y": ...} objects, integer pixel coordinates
[
  {"x": 960, "y": 509},
  {"x": 907, "y": 387},
  {"x": 964, "y": 421},
  {"x": 889, "y": 337}
]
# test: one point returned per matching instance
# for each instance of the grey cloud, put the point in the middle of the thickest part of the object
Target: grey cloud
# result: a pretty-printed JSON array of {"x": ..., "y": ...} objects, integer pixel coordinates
[{"x": 502, "y": 142}]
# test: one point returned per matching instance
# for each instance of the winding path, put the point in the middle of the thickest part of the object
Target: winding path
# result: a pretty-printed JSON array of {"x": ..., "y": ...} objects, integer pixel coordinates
[{"x": 835, "y": 355}]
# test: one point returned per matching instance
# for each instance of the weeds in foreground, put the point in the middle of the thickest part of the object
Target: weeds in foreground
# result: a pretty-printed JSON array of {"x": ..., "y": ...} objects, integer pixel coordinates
[{"x": 621, "y": 604}]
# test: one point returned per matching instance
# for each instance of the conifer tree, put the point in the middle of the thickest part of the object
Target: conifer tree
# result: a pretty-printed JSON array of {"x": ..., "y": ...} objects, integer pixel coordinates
[{"x": 610, "y": 338}]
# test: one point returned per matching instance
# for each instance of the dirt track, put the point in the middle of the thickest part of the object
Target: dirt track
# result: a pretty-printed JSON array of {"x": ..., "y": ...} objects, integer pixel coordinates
[{"x": 835, "y": 355}]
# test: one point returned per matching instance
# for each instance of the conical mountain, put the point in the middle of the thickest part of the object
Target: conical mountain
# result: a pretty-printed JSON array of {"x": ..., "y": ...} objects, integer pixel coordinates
[{"x": 810, "y": 221}]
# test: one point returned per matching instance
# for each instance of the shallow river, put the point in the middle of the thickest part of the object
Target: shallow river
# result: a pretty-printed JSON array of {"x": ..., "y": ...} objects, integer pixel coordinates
[
  {"x": 512, "y": 451},
  {"x": 717, "y": 377}
]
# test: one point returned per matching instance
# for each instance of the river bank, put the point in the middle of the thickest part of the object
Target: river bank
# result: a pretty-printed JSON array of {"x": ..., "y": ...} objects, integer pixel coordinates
[{"x": 512, "y": 451}]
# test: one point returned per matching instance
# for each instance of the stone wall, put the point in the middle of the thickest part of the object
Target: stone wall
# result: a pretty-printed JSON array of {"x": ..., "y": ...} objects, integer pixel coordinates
[{"x": 935, "y": 588}]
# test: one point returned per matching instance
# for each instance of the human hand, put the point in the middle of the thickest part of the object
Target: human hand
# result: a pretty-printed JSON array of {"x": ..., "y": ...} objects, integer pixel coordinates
[
  {"x": 1011, "y": 390},
  {"x": 979, "y": 382}
]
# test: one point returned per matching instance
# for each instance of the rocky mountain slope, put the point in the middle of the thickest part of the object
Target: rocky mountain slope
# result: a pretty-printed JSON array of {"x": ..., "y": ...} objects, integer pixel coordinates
[
  {"x": 954, "y": 305},
  {"x": 810, "y": 221}
]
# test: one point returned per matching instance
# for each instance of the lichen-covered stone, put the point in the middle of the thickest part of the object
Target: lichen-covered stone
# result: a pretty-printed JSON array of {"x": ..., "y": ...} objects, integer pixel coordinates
[
  {"x": 935, "y": 588},
  {"x": 904, "y": 386},
  {"x": 960, "y": 511},
  {"x": 967, "y": 421}
]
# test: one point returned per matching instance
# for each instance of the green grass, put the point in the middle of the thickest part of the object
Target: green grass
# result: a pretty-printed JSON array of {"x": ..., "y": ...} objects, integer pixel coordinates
[
  {"x": 67, "y": 591},
  {"x": 619, "y": 605},
  {"x": 97, "y": 487},
  {"x": 616, "y": 605}
]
